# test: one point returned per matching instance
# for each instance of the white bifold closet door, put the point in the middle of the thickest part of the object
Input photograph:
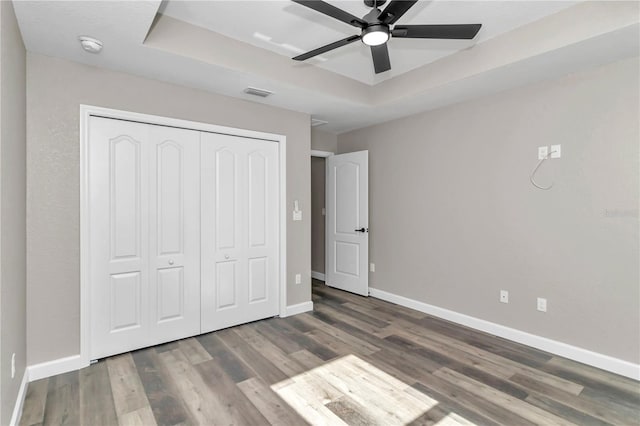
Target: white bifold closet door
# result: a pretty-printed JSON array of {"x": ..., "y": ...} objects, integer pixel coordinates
[
  {"x": 240, "y": 243},
  {"x": 145, "y": 235},
  {"x": 184, "y": 235}
]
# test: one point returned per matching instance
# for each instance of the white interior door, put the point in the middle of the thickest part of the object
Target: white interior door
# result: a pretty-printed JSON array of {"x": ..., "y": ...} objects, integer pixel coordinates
[
  {"x": 144, "y": 235},
  {"x": 347, "y": 232},
  {"x": 240, "y": 230}
]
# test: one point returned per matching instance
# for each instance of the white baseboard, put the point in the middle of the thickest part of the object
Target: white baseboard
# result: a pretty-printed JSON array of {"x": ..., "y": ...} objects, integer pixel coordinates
[
  {"x": 57, "y": 366},
  {"x": 317, "y": 275},
  {"x": 299, "y": 308},
  {"x": 605, "y": 362},
  {"x": 22, "y": 393}
]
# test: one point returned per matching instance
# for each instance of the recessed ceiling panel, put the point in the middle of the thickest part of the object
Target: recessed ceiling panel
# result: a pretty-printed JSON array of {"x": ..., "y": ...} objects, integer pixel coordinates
[{"x": 290, "y": 29}]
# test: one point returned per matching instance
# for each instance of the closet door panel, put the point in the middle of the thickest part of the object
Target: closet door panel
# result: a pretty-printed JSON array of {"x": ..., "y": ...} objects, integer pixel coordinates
[
  {"x": 239, "y": 225},
  {"x": 174, "y": 242},
  {"x": 118, "y": 238}
]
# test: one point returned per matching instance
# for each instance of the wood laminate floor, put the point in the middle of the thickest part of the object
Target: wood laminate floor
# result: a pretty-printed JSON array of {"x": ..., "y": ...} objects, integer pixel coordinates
[{"x": 354, "y": 360}]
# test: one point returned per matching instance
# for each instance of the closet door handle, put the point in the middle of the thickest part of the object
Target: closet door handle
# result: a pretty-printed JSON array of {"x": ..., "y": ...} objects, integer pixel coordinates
[
  {"x": 170, "y": 262},
  {"x": 362, "y": 230},
  {"x": 226, "y": 256}
]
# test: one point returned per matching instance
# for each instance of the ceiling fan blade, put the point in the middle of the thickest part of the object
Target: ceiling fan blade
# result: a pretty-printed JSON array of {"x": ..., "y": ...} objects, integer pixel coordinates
[
  {"x": 380, "y": 54},
  {"x": 462, "y": 31},
  {"x": 395, "y": 10},
  {"x": 327, "y": 48},
  {"x": 332, "y": 11}
]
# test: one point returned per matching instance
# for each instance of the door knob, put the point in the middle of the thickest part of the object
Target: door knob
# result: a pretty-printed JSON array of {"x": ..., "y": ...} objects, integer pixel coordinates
[
  {"x": 226, "y": 256},
  {"x": 170, "y": 262},
  {"x": 363, "y": 229}
]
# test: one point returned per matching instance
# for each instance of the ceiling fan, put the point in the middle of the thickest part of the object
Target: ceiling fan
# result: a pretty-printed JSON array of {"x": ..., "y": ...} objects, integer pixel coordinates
[{"x": 376, "y": 29}]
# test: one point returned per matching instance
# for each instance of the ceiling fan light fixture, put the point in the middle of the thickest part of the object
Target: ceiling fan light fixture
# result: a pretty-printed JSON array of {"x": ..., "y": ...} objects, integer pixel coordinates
[{"x": 375, "y": 35}]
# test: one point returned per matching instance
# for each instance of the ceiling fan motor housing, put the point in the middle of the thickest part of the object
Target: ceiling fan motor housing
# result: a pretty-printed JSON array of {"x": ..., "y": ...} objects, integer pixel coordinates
[{"x": 373, "y": 3}]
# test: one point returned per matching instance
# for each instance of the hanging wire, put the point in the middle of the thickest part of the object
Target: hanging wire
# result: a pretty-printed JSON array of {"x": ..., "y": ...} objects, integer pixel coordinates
[{"x": 533, "y": 173}]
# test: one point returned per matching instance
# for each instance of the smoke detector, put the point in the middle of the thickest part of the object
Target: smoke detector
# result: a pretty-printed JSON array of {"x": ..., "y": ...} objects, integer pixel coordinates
[{"x": 90, "y": 44}]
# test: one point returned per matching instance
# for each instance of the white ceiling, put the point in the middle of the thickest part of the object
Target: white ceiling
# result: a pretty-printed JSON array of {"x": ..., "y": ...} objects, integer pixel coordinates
[
  {"x": 221, "y": 55},
  {"x": 289, "y": 29}
]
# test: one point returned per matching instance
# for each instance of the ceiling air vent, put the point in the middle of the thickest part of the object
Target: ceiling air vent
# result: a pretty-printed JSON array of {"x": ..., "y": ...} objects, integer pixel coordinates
[
  {"x": 315, "y": 122},
  {"x": 257, "y": 92}
]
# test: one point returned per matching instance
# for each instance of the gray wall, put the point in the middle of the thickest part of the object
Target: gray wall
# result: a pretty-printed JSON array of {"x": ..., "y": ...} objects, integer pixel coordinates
[
  {"x": 320, "y": 141},
  {"x": 12, "y": 209},
  {"x": 55, "y": 89},
  {"x": 317, "y": 218},
  {"x": 323, "y": 141},
  {"x": 454, "y": 219}
]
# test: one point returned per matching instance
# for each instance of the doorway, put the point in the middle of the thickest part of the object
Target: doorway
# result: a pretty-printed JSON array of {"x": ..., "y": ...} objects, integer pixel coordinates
[{"x": 318, "y": 213}]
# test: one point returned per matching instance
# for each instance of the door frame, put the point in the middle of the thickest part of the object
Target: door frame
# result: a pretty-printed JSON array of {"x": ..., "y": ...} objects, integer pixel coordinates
[{"x": 86, "y": 112}]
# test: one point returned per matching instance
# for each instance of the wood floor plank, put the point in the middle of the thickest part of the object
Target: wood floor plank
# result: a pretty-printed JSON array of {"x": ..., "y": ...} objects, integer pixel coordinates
[
  {"x": 272, "y": 407},
  {"x": 610, "y": 413},
  {"x": 234, "y": 367},
  {"x": 127, "y": 389},
  {"x": 307, "y": 359},
  {"x": 261, "y": 365},
  {"x": 488, "y": 360},
  {"x": 194, "y": 351},
  {"x": 140, "y": 417},
  {"x": 519, "y": 407},
  {"x": 96, "y": 397},
  {"x": 63, "y": 400},
  {"x": 481, "y": 410},
  {"x": 351, "y": 412},
  {"x": 165, "y": 403},
  {"x": 593, "y": 374},
  {"x": 337, "y": 333},
  {"x": 34, "y": 402},
  {"x": 195, "y": 394},
  {"x": 276, "y": 336},
  {"x": 305, "y": 342},
  {"x": 269, "y": 350},
  {"x": 236, "y": 405}
]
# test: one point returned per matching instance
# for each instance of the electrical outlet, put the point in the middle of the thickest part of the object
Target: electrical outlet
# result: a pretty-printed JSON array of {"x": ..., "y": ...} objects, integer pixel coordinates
[
  {"x": 13, "y": 365},
  {"x": 543, "y": 151},
  {"x": 556, "y": 151},
  {"x": 372, "y": 267},
  {"x": 504, "y": 296},
  {"x": 542, "y": 304},
  {"x": 298, "y": 279}
]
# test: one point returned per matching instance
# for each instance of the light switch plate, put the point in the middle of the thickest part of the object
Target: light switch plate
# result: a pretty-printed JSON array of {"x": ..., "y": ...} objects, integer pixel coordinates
[
  {"x": 297, "y": 215},
  {"x": 556, "y": 151},
  {"x": 324, "y": 211},
  {"x": 298, "y": 279}
]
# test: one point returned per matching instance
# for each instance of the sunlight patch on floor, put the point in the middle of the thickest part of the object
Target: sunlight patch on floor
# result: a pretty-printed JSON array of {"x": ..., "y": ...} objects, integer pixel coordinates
[{"x": 350, "y": 391}]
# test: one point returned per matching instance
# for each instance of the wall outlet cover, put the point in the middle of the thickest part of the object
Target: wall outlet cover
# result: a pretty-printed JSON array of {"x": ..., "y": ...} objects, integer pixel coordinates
[
  {"x": 297, "y": 215},
  {"x": 556, "y": 151},
  {"x": 372, "y": 267},
  {"x": 298, "y": 279},
  {"x": 542, "y": 304},
  {"x": 504, "y": 296}
]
